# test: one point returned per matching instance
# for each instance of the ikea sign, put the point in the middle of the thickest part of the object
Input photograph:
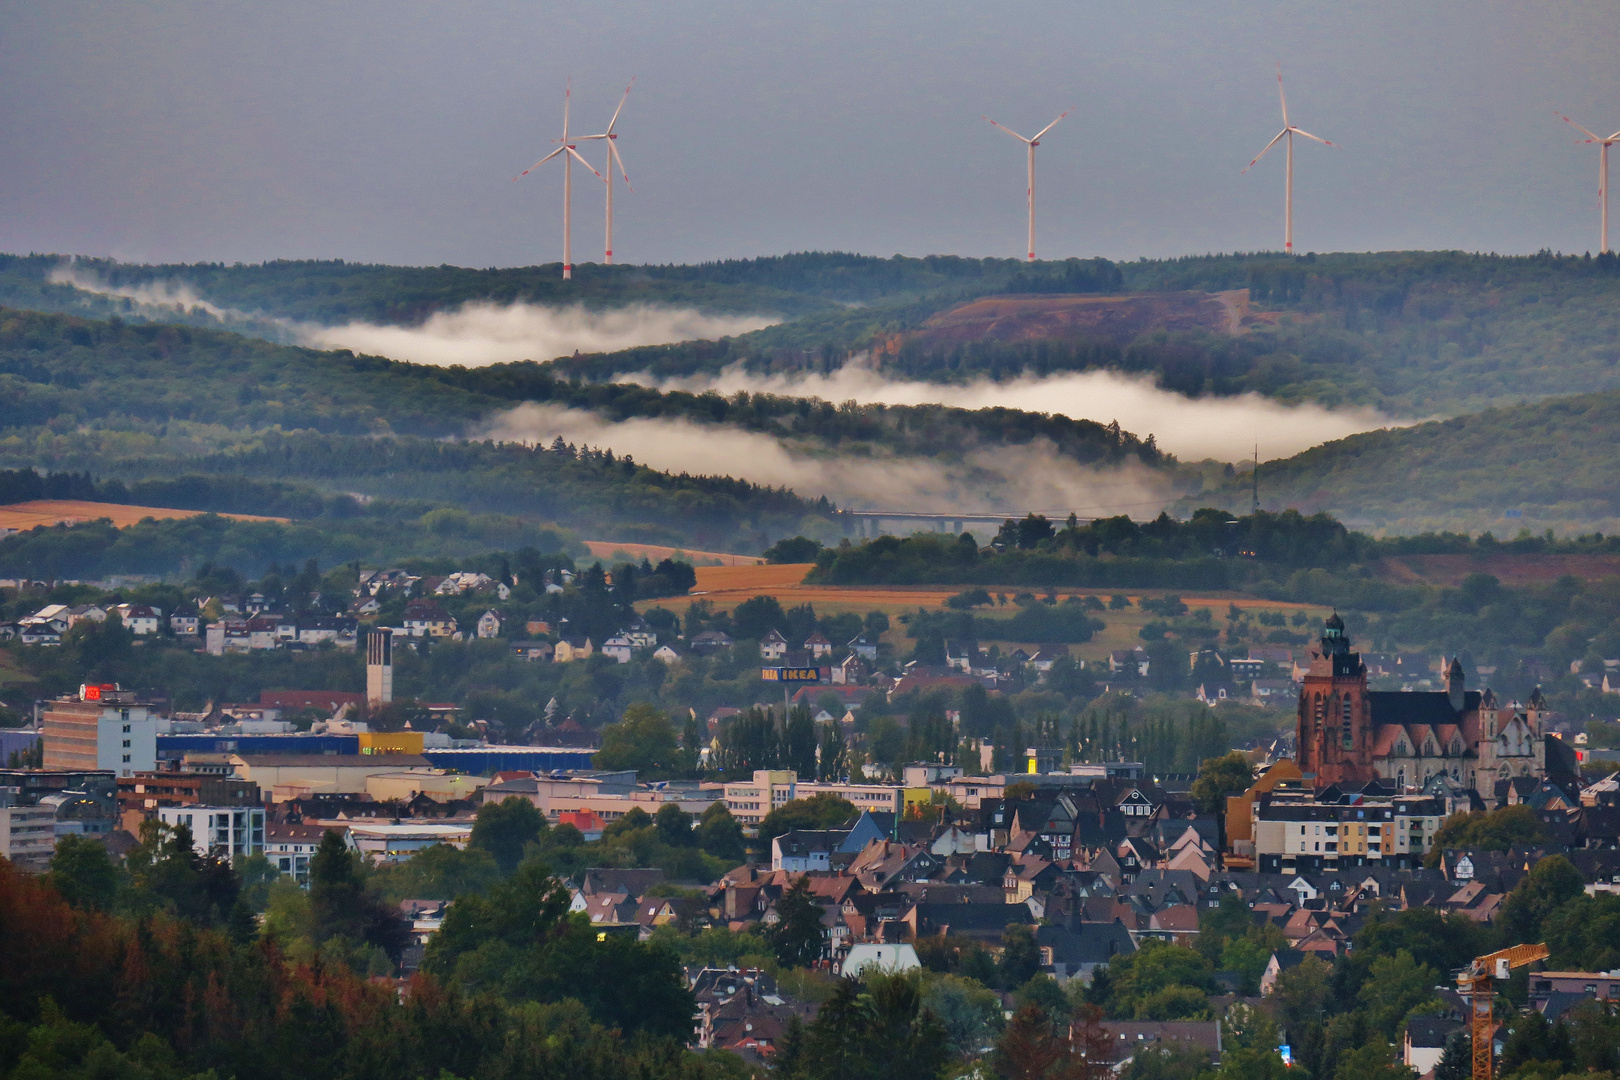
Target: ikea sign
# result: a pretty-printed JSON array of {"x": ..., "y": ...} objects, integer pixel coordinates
[{"x": 790, "y": 674}]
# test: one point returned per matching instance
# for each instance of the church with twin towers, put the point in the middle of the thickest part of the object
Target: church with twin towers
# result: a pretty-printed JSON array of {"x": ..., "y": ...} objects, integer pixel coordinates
[{"x": 1348, "y": 734}]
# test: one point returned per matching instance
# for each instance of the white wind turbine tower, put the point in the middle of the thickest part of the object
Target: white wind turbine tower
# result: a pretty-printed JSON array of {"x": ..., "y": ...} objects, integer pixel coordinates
[
  {"x": 613, "y": 158},
  {"x": 569, "y": 153},
  {"x": 1288, "y": 132},
  {"x": 1603, "y": 177},
  {"x": 1032, "y": 144}
]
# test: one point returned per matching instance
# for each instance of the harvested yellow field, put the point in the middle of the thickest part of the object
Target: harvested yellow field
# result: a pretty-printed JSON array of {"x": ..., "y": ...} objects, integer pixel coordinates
[
  {"x": 724, "y": 587},
  {"x": 607, "y": 549},
  {"x": 27, "y": 515}
]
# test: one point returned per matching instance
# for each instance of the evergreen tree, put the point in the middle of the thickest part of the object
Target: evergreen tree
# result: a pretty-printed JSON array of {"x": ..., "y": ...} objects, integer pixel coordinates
[{"x": 798, "y": 935}]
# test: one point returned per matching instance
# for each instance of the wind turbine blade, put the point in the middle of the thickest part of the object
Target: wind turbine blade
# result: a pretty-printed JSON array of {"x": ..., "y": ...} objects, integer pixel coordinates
[
  {"x": 1613, "y": 137},
  {"x": 622, "y": 100},
  {"x": 1008, "y": 130},
  {"x": 586, "y": 138},
  {"x": 582, "y": 161},
  {"x": 1282, "y": 95},
  {"x": 1308, "y": 135},
  {"x": 613, "y": 151},
  {"x": 1047, "y": 128},
  {"x": 539, "y": 163},
  {"x": 1577, "y": 127},
  {"x": 1262, "y": 153}
]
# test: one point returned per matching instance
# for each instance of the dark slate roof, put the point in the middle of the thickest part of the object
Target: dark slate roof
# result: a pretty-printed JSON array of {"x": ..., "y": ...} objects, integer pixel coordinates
[
  {"x": 635, "y": 882},
  {"x": 1417, "y": 707},
  {"x": 962, "y": 918},
  {"x": 1288, "y": 958},
  {"x": 1088, "y": 943},
  {"x": 1431, "y": 1031},
  {"x": 988, "y": 867},
  {"x": 1561, "y": 1001}
]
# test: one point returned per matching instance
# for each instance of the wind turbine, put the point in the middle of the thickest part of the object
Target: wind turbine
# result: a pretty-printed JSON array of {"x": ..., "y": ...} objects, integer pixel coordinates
[
  {"x": 1603, "y": 176},
  {"x": 1288, "y": 132},
  {"x": 569, "y": 153},
  {"x": 1032, "y": 144},
  {"x": 613, "y": 156}
]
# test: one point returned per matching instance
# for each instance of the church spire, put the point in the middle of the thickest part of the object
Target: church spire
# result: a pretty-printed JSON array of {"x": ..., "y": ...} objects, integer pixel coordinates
[{"x": 1334, "y": 640}]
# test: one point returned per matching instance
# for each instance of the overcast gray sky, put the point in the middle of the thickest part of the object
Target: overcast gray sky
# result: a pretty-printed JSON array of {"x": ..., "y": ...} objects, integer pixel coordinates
[{"x": 390, "y": 131}]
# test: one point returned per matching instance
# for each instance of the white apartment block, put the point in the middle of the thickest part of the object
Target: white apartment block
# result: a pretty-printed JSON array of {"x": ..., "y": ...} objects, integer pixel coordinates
[{"x": 224, "y": 832}]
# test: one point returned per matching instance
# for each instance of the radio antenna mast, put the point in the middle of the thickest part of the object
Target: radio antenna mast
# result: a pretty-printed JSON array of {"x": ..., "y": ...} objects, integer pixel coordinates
[{"x": 1256, "y": 508}]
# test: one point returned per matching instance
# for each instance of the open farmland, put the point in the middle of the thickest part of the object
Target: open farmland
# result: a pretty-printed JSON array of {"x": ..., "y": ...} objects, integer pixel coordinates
[
  {"x": 725, "y": 587},
  {"x": 28, "y": 515},
  {"x": 608, "y": 549}
]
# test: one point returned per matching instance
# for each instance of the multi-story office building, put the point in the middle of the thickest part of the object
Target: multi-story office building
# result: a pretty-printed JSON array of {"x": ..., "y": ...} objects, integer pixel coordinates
[
  {"x": 101, "y": 727},
  {"x": 750, "y": 800}
]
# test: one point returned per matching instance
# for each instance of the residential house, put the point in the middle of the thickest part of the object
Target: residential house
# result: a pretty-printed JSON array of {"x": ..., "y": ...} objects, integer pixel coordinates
[
  {"x": 570, "y": 649},
  {"x": 1046, "y": 656},
  {"x": 641, "y": 635},
  {"x": 185, "y": 622},
  {"x": 139, "y": 618},
  {"x": 668, "y": 653},
  {"x": 425, "y": 618},
  {"x": 619, "y": 647},
  {"x": 1425, "y": 1040},
  {"x": 960, "y": 655},
  {"x": 464, "y": 582},
  {"x": 711, "y": 641},
  {"x": 817, "y": 645},
  {"x": 1129, "y": 662},
  {"x": 864, "y": 646},
  {"x": 1075, "y": 949},
  {"x": 804, "y": 850},
  {"x": 532, "y": 650},
  {"x": 851, "y": 671},
  {"x": 773, "y": 646},
  {"x": 489, "y": 624}
]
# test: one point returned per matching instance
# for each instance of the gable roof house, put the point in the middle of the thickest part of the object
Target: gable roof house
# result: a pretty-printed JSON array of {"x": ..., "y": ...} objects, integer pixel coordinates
[
  {"x": 864, "y": 645},
  {"x": 425, "y": 618},
  {"x": 619, "y": 647},
  {"x": 570, "y": 649},
  {"x": 711, "y": 641}
]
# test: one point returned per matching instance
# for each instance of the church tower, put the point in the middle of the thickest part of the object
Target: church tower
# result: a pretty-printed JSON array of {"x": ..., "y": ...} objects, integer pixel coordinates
[{"x": 1335, "y": 730}]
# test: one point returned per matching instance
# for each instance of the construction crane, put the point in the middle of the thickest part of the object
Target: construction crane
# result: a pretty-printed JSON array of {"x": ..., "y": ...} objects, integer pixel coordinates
[{"x": 1478, "y": 982}]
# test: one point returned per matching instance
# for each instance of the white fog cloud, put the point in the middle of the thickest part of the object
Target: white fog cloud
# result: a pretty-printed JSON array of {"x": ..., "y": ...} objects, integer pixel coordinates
[
  {"x": 1224, "y": 428},
  {"x": 1003, "y": 480},
  {"x": 475, "y": 334},
  {"x": 480, "y": 333},
  {"x": 158, "y": 294}
]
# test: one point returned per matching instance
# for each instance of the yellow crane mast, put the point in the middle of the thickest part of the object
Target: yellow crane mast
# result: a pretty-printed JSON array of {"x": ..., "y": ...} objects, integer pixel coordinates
[{"x": 1478, "y": 982}]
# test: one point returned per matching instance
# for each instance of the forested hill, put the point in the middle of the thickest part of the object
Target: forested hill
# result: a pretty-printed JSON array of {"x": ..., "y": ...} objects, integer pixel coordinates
[
  {"x": 1550, "y": 465},
  {"x": 62, "y": 372},
  {"x": 1411, "y": 333},
  {"x": 334, "y": 291}
]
